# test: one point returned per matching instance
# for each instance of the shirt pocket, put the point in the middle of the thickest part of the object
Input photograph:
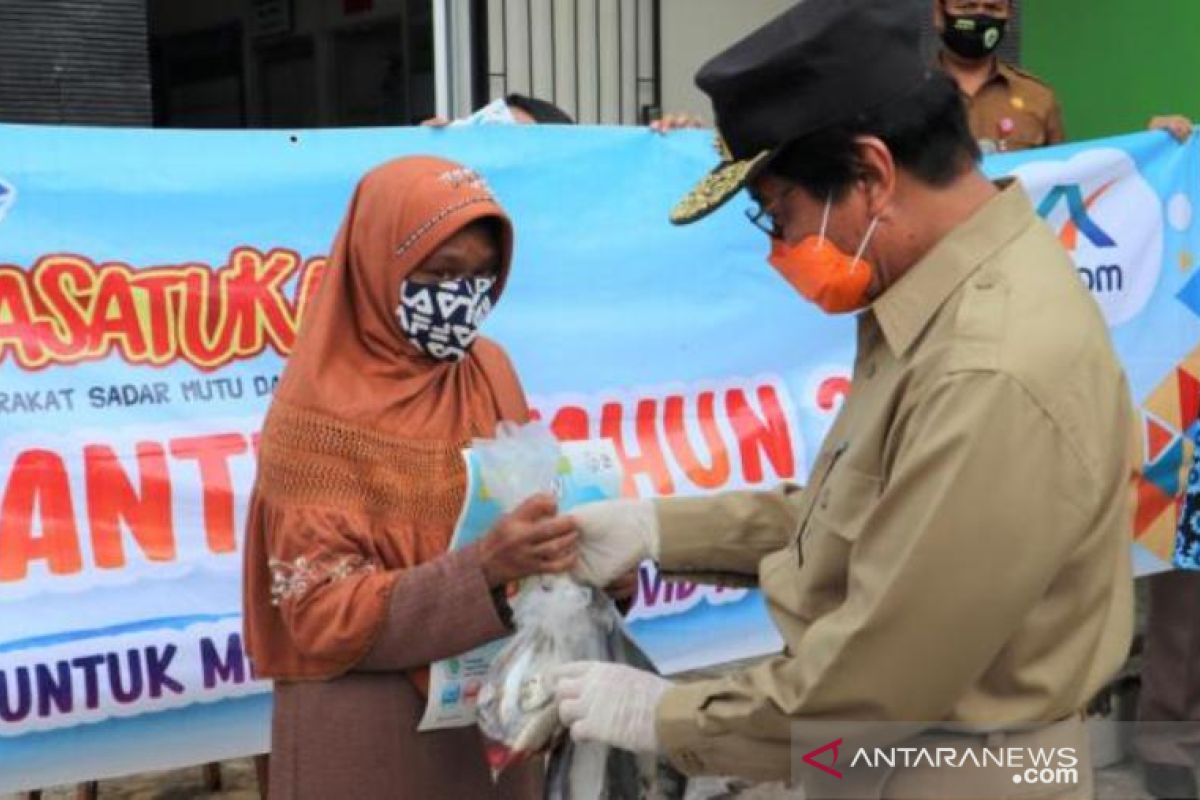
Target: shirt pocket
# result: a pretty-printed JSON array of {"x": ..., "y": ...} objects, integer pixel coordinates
[
  {"x": 1029, "y": 131},
  {"x": 840, "y": 513},
  {"x": 843, "y": 503}
]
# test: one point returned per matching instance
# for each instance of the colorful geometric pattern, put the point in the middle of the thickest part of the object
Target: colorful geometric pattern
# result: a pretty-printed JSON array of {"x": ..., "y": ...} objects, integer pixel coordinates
[
  {"x": 1189, "y": 295},
  {"x": 1171, "y": 416}
]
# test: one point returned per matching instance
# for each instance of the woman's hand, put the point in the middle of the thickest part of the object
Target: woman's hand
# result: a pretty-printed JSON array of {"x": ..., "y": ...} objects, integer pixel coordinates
[{"x": 532, "y": 540}]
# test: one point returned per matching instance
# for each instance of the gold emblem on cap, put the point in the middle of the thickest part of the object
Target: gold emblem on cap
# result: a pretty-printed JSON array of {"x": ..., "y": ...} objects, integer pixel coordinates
[{"x": 726, "y": 180}]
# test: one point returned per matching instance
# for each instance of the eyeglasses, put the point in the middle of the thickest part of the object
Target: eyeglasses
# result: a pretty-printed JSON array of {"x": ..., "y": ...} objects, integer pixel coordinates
[{"x": 764, "y": 220}]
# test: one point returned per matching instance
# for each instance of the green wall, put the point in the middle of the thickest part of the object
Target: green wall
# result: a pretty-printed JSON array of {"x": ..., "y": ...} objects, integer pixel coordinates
[{"x": 1115, "y": 63}]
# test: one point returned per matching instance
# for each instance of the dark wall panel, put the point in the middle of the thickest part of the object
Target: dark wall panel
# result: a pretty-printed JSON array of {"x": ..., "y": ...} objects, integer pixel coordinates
[{"x": 74, "y": 61}]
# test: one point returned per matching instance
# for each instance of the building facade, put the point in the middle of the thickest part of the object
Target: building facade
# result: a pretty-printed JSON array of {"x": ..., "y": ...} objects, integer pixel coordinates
[{"x": 322, "y": 63}]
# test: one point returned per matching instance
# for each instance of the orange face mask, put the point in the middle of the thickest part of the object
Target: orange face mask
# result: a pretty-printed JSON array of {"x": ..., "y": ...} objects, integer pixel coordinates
[{"x": 825, "y": 275}]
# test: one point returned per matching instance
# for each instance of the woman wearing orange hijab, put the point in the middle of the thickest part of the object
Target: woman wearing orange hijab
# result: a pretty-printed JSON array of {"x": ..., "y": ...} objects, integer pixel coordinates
[{"x": 350, "y": 591}]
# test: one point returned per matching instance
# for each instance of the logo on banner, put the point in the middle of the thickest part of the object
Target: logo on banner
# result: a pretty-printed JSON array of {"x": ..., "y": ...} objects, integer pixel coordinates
[
  {"x": 1110, "y": 219},
  {"x": 8, "y": 196},
  {"x": 1081, "y": 221}
]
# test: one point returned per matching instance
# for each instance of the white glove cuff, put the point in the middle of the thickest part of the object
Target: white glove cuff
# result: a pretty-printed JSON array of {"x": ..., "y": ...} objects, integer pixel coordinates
[{"x": 644, "y": 517}]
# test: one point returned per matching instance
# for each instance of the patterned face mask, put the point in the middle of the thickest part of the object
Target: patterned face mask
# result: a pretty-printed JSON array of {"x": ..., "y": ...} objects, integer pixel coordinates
[{"x": 442, "y": 319}]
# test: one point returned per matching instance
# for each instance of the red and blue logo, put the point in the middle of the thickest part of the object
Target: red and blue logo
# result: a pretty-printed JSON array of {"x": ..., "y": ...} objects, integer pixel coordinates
[
  {"x": 1110, "y": 219},
  {"x": 1079, "y": 217}
]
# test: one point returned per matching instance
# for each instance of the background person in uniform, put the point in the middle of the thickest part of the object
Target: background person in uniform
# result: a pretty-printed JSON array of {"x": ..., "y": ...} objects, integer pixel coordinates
[
  {"x": 1008, "y": 108},
  {"x": 961, "y": 553}
]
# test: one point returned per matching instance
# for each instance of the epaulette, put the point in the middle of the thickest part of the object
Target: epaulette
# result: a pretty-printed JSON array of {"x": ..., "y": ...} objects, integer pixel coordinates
[{"x": 1028, "y": 76}]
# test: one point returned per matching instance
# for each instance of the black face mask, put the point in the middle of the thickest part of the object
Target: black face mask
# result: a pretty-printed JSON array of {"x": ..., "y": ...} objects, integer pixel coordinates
[{"x": 973, "y": 36}]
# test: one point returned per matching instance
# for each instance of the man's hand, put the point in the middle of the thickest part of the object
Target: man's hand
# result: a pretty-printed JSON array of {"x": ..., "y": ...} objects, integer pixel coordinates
[
  {"x": 614, "y": 537},
  {"x": 609, "y": 703},
  {"x": 1177, "y": 126}
]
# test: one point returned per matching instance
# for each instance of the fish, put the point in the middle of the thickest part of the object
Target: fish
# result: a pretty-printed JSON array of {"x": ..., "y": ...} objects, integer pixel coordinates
[
  {"x": 557, "y": 623},
  {"x": 593, "y": 771}
]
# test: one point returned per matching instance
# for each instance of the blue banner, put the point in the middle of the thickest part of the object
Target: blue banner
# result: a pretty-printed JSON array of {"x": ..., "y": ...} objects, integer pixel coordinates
[{"x": 150, "y": 287}]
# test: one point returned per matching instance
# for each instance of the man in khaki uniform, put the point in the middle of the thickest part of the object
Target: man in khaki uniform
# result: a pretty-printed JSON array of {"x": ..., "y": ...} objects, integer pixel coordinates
[
  {"x": 961, "y": 552},
  {"x": 1008, "y": 108}
]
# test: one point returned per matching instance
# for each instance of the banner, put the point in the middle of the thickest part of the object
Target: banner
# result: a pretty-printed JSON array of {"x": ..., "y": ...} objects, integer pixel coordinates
[{"x": 150, "y": 288}]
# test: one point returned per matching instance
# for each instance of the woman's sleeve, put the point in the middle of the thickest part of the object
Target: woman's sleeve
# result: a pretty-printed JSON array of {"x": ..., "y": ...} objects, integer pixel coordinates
[
  {"x": 340, "y": 607},
  {"x": 438, "y": 610}
]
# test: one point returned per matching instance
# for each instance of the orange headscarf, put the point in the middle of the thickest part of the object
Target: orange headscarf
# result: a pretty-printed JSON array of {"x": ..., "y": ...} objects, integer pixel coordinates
[{"x": 360, "y": 472}]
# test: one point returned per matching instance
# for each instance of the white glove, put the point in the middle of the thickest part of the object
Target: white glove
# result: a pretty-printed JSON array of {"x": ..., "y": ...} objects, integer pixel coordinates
[
  {"x": 614, "y": 537},
  {"x": 609, "y": 703}
]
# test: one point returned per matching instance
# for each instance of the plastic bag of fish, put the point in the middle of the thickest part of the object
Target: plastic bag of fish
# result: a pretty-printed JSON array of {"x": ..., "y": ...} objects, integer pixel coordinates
[
  {"x": 560, "y": 621},
  {"x": 557, "y": 619},
  {"x": 557, "y": 623},
  {"x": 594, "y": 771}
]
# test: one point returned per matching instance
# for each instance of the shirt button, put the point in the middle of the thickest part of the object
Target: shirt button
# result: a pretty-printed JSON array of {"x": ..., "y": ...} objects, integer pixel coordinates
[
  {"x": 824, "y": 503},
  {"x": 870, "y": 369},
  {"x": 985, "y": 283}
]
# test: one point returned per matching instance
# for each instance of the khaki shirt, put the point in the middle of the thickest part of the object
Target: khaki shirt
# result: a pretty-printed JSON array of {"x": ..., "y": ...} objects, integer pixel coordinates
[
  {"x": 962, "y": 551},
  {"x": 1014, "y": 111}
]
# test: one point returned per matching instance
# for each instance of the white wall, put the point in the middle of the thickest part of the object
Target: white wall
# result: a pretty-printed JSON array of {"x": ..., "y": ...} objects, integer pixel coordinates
[{"x": 694, "y": 31}]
